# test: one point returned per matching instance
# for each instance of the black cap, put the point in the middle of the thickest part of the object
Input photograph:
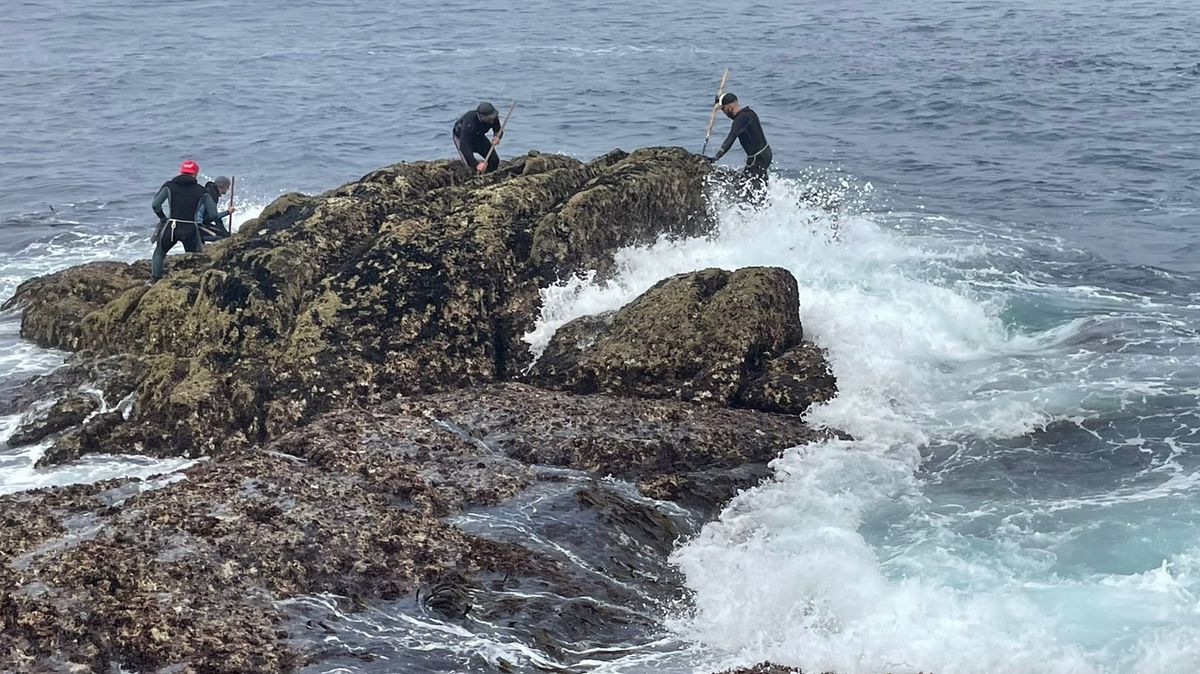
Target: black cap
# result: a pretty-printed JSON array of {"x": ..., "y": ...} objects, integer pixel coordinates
[
  {"x": 487, "y": 110},
  {"x": 726, "y": 99}
]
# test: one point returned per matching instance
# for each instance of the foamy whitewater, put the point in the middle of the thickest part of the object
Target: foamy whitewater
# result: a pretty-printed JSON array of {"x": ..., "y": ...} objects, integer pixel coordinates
[
  {"x": 1021, "y": 493},
  {"x": 1015, "y": 340}
]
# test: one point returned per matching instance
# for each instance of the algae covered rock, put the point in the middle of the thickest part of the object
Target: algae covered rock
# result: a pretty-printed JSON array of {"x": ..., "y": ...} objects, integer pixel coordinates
[
  {"x": 64, "y": 413},
  {"x": 344, "y": 362},
  {"x": 363, "y": 507},
  {"x": 789, "y": 384},
  {"x": 631, "y": 199},
  {"x": 697, "y": 336},
  {"x": 53, "y": 306},
  {"x": 418, "y": 277},
  {"x": 630, "y": 438}
]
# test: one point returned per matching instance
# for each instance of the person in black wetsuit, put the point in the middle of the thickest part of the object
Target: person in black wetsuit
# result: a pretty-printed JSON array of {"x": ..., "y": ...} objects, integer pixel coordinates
[
  {"x": 217, "y": 188},
  {"x": 748, "y": 130},
  {"x": 470, "y": 137},
  {"x": 191, "y": 206}
]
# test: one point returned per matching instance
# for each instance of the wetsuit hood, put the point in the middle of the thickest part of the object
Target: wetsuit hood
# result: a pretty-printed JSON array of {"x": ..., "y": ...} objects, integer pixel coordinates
[{"x": 185, "y": 179}]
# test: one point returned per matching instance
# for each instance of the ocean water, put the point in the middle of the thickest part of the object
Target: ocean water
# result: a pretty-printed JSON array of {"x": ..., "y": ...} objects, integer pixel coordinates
[{"x": 1010, "y": 300}]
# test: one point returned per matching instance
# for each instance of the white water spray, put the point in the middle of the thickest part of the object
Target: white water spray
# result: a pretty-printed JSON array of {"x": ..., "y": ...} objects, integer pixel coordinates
[{"x": 841, "y": 562}]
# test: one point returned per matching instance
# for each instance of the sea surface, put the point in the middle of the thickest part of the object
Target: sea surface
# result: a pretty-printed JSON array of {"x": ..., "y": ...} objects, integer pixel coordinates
[{"x": 1011, "y": 300}]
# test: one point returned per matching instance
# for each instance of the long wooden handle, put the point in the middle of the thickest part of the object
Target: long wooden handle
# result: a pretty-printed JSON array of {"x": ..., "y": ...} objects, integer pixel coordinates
[
  {"x": 713, "y": 117},
  {"x": 232, "y": 182},
  {"x": 503, "y": 126}
]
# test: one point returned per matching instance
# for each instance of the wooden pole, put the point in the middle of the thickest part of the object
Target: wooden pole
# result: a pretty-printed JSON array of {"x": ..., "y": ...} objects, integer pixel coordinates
[
  {"x": 232, "y": 182},
  {"x": 503, "y": 126},
  {"x": 716, "y": 104}
]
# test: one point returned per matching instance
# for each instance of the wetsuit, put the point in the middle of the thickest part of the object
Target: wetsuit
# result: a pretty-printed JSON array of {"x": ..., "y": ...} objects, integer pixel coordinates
[
  {"x": 470, "y": 137},
  {"x": 748, "y": 130},
  {"x": 191, "y": 206},
  {"x": 209, "y": 233}
]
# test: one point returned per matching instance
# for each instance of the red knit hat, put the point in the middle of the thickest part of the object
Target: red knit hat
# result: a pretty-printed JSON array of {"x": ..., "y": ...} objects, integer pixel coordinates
[{"x": 189, "y": 166}]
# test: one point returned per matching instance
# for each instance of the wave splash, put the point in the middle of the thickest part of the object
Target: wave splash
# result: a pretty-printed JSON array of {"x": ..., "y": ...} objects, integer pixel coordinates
[{"x": 937, "y": 539}]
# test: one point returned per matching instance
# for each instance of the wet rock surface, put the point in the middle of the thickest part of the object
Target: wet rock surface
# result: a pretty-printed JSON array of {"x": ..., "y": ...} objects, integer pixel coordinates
[
  {"x": 373, "y": 476},
  {"x": 426, "y": 494},
  {"x": 789, "y": 384},
  {"x": 64, "y": 413},
  {"x": 418, "y": 277},
  {"x": 764, "y": 668},
  {"x": 706, "y": 336},
  {"x": 112, "y": 378}
]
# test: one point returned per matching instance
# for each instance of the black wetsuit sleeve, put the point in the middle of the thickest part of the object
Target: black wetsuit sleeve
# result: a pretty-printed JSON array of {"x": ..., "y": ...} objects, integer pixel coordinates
[
  {"x": 496, "y": 128},
  {"x": 209, "y": 208},
  {"x": 736, "y": 129},
  {"x": 159, "y": 199}
]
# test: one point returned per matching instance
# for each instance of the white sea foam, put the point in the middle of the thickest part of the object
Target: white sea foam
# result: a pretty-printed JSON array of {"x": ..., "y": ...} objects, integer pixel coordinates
[{"x": 854, "y": 557}]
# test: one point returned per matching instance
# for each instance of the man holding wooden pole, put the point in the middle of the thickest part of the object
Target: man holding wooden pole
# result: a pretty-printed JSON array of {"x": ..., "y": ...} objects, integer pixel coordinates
[
  {"x": 470, "y": 137},
  {"x": 747, "y": 129}
]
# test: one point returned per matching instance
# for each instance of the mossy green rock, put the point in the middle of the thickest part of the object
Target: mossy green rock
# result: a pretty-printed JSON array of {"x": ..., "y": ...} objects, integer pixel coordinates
[
  {"x": 710, "y": 335},
  {"x": 418, "y": 277},
  {"x": 53, "y": 307}
]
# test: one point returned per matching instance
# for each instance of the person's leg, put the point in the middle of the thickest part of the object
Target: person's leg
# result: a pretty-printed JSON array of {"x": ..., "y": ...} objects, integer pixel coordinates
[
  {"x": 158, "y": 261},
  {"x": 481, "y": 147},
  {"x": 756, "y": 180},
  {"x": 458, "y": 148},
  {"x": 493, "y": 162},
  {"x": 192, "y": 242}
]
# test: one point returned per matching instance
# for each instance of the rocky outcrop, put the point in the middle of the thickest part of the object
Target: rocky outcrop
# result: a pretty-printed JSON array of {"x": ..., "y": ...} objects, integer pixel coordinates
[
  {"x": 764, "y": 668},
  {"x": 345, "y": 365},
  {"x": 54, "y": 306},
  {"x": 418, "y": 277},
  {"x": 360, "y": 504},
  {"x": 78, "y": 405},
  {"x": 790, "y": 383},
  {"x": 62, "y": 414},
  {"x": 710, "y": 336},
  {"x": 113, "y": 378}
]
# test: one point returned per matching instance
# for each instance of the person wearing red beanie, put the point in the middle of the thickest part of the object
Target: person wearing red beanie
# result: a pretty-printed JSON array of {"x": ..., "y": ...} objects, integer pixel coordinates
[{"x": 191, "y": 206}]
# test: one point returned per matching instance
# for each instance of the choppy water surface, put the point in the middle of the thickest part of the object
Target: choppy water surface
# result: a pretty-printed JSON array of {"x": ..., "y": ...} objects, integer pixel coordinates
[{"x": 1010, "y": 305}]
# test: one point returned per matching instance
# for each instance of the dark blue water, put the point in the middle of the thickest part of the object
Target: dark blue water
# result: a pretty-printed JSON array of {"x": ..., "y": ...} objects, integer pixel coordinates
[
  {"x": 1078, "y": 119},
  {"x": 1011, "y": 309}
]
